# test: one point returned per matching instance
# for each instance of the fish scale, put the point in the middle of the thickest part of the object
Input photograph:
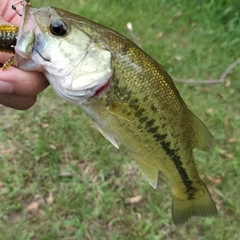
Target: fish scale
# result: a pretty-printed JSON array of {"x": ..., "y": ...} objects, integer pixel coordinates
[{"x": 129, "y": 96}]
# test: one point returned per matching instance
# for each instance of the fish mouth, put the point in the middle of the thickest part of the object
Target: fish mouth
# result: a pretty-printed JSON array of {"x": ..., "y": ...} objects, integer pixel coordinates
[
  {"x": 38, "y": 46},
  {"x": 87, "y": 92},
  {"x": 102, "y": 88},
  {"x": 80, "y": 96},
  {"x": 37, "y": 51}
]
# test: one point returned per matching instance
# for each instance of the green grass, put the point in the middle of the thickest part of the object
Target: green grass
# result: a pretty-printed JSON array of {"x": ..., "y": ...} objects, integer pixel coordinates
[{"x": 53, "y": 159}]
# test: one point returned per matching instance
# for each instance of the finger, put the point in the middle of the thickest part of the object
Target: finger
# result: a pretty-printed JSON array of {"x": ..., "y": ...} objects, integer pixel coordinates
[
  {"x": 4, "y": 57},
  {"x": 23, "y": 83},
  {"x": 8, "y": 14},
  {"x": 17, "y": 102}
]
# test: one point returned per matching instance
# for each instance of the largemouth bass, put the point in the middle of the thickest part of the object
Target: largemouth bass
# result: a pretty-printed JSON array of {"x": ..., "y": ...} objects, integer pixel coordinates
[{"x": 129, "y": 96}]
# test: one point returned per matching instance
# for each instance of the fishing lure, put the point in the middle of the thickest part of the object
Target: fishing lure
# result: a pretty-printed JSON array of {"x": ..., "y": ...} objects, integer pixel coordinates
[
  {"x": 8, "y": 38},
  {"x": 8, "y": 34}
]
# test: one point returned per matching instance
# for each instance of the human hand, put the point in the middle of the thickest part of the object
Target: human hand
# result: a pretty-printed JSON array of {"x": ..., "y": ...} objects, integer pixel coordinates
[{"x": 18, "y": 89}]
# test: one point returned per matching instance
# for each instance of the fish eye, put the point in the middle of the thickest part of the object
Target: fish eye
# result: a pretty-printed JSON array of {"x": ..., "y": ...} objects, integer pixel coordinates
[{"x": 58, "y": 27}]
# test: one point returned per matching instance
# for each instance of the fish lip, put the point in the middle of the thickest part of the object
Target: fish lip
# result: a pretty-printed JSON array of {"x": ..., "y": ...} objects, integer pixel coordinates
[
  {"x": 36, "y": 50},
  {"x": 102, "y": 88},
  {"x": 77, "y": 97},
  {"x": 38, "y": 46}
]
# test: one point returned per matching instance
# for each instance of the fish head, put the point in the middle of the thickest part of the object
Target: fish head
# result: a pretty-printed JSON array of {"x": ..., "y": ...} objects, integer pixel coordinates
[{"x": 66, "y": 50}]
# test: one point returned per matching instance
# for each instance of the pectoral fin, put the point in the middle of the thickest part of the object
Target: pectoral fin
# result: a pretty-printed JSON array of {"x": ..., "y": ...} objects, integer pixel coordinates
[
  {"x": 150, "y": 172},
  {"x": 107, "y": 135},
  {"x": 125, "y": 110}
]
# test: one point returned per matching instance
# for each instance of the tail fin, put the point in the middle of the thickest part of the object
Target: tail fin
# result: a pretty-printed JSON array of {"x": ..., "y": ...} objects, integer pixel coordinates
[{"x": 202, "y": 206}]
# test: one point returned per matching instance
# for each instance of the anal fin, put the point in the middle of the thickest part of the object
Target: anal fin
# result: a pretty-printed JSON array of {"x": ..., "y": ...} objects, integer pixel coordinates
[
  {"x": 107, "y": 135},
  {"x": 150, "y": 172}
]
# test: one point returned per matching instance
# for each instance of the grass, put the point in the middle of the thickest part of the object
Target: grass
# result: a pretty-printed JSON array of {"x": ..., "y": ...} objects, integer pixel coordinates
[{"x": 60, "y": 179}]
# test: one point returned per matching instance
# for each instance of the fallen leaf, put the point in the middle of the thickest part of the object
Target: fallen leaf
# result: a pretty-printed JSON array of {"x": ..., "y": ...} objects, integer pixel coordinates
[
  {"x": 232, "y": 140},
  {"x": 193, "y": 24},
  {"x": 169, "y": 61},
  {"x": 221, "y": 95},
  {"x": 53, "y": 147},
  {"x": 38, "y": 198},
  {"x": 32, "y": 206},
  {"x": 226, "y": 121},
  {"x": 209, "y": 111},
  {"x": 65, "y": 174},
  {"x": 139, "y": 216},
  {"x": 216, "y": 180},
  {"x": 45, "y": 125},
  {"x": 134, "y": 200},
  {"x": 50, "y": 198},
  {"x": 159, "y": 36},
  {"x": 182, "y": 30},
  {"x": 228, "y": 83},
  {"x": 5, "y": 151},
  {"x": 178, "y": 58},
  {"x": 229, "y": 156}
]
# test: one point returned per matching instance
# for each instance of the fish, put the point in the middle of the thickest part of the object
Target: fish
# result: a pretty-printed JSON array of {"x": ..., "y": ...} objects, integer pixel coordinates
[{"x": 129, "y": 96}]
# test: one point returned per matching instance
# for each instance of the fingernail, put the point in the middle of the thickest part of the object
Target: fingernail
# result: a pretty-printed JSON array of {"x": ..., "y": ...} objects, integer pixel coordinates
[{"x": 5, "y": 87}]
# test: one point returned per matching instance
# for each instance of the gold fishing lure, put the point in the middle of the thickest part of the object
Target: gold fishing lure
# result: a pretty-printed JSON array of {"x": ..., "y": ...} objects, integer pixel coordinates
[
  {"x": 8, "y": 38},
  {"x": 8, "y": 35}
]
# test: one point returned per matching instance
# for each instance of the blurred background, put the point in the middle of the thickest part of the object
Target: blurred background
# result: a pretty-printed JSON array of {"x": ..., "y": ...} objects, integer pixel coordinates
[{"x": 60, "y": 179}]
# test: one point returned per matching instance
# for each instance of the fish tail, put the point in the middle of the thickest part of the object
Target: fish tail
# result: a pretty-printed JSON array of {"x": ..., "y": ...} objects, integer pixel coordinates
[{"x": 202, "y": 205}]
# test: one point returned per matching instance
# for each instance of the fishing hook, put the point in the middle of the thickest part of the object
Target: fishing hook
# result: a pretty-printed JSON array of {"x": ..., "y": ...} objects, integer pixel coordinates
[
  {"x": 18, "y": 3},
  {"x": 45, "y": 59}
]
